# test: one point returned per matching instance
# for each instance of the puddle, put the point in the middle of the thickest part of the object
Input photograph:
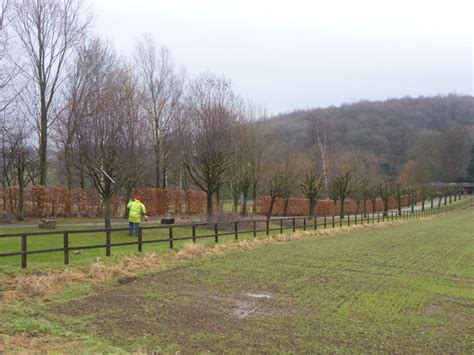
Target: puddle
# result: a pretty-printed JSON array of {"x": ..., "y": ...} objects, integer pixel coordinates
[
  {"x": 253, "y": 305},
  {"x": 259, "y": 295}
]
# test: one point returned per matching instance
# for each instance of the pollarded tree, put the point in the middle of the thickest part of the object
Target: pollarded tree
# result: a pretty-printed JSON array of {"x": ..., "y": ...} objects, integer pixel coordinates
[
  {"x": 213, "y": 113},
  {"x": 386, "y": 192},
  {"x": 340, "y": 188},
  {"x": 423, "y": 194},
  {"x": 412, "y": 193},
  {"x": 276, "y": 185},
  {"x": 399, "y": 192},
  {"x": 312, "y": 185},
  {"x": 374, "y": 195}
]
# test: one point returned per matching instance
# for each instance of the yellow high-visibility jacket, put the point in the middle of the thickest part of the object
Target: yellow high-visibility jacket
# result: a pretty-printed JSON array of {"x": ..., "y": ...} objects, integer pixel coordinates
[{"x": 136, "y": 210}]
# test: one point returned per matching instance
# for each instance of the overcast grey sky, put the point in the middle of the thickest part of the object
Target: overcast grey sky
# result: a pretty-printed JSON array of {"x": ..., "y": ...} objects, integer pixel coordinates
[{"x": 297, "y": 54}]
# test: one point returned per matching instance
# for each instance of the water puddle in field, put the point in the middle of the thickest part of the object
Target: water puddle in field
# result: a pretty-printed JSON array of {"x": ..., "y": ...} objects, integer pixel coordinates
[
  {"x": 259, "y": 295},
  {"x": 253, "y": 305}
]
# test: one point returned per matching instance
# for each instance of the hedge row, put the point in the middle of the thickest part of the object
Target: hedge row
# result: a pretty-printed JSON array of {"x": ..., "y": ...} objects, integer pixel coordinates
[
  {"x": 300, "y": 206},
  {"x": 41, "y": 201}
]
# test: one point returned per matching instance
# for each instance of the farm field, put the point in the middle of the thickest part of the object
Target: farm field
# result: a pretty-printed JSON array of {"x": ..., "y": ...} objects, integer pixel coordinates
[{"x": 405, "y": 287}]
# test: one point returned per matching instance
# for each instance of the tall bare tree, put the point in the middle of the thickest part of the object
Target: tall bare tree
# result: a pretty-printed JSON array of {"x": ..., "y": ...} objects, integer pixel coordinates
[
  {"x": 47, "y": 30},
  {"x": 163, "y": 91},
  {"x": 213, "y": 112},
  {"x": 107, "y": 138}
]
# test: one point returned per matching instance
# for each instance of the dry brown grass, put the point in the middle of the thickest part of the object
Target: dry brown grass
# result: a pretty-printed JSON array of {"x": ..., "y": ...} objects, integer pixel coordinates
[{"x": 38, "y": 284}]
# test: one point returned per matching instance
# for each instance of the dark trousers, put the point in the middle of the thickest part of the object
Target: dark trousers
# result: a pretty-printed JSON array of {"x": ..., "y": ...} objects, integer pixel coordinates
[{"x": 133, "y": 228}]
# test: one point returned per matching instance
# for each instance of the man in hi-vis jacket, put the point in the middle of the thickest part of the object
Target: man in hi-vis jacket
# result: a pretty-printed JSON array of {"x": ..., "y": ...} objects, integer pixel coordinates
[{"x": 136, "y": 209}]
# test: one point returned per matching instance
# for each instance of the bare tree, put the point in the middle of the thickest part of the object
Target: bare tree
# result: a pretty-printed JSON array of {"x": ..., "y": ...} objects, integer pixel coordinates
[
  {"x": 386, "y": 192},
  {"x": 276, "y": 185},
  {"x": 341, "y": 188},
  {"x": 47, "y": 30},
  {"x": 319, "y": 130},
  {"x": 213, "y": 112},
  {"x": 106, "y": 139},
  {"x": 163, "y": 91},
  {"x": 311, "y": 185},
  {"x": 399, "y": 192}
]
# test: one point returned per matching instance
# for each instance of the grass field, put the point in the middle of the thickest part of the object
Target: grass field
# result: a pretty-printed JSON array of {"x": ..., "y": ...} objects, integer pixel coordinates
[{"x": 405, "y": 288}]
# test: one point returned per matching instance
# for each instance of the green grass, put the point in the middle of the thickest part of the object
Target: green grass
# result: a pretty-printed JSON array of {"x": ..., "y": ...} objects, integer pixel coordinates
[
  {"x": 56, "y": 259},
  {"x": 405, "y": 288}
]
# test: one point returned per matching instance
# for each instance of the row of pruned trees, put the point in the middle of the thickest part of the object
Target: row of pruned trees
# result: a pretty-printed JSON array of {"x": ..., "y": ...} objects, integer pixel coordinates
[{"x": 359, "y": 189}]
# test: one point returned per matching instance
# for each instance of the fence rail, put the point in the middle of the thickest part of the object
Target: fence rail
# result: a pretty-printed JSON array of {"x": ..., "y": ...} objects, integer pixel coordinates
[{"x": 215, "y": 229}]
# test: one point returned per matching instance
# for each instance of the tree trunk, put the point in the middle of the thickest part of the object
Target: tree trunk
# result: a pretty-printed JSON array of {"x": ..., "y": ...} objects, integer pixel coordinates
[
  {"x": 312, "y": 206},
  {"x": 365, "y": 207},
  {"x": 244, "y": 205},
  {"x": 423, "y": 205},
  {"x": 157, "y": 165},
  {"x": 341, "y": 215},
  {"x": 107, "y": 212},
  {"x": 385, "y": 208},
  {"x": 270, "y": 209},
  {"x": 254, "y": 201},
  {"x": 68, "y": 166},
  {"x": 209, "y": 205},
  {"x": 374, "y": 202},
  {"x": 43, "y": 146},
  {"x": 445, "y": 200},
  {"x": 285, "y": 209},
  {"x": 165, "y": 169},
  {"x": 399, "y": 206},
  {"x": 21, "y": 187}
]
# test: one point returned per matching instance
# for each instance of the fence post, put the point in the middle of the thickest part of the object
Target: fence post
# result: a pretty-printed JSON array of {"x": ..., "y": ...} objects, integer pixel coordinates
[
  {"x": 356, "y": 218},
  {"x": 236, "y": 230},
  {"x": 294, "y": 225},
  {"x": 140, "y": 240},
  {"x": 348, "y": 219},
  {"x": 254, "y": 228},
  {"x": 378, "y": 217},
  {"x": 194, "y": 233},
  {"x": 216, "y": 233},
  {"x": 170, "y": 230},
  {"x": 281, "y": 226},
  {"x": 66, "y": 248},
  {"x": 23, "y": 251},
  {"x": 268, "y": 227},
  {"x": 304, "y": 223},
  {"x": 107, "y": 242},
  {"x": 325, "y": 224},
  {"x": 333, "y": 223},
  {"x": 340, "y": 220},
  {"x": 315, "y": 222}
]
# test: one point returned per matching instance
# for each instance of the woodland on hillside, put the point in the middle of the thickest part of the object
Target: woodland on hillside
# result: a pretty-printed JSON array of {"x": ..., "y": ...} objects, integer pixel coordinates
[
  {"x": 74, "y": 113},
  {"x": 424, "y": 139}
]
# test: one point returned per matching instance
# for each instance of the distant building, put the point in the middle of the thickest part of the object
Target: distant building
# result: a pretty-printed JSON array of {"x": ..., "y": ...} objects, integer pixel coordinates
[{"x": 468, "y": 188}]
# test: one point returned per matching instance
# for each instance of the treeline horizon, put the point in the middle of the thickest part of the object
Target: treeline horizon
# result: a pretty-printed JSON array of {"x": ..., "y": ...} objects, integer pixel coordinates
[{"x": 75, "y": 113}]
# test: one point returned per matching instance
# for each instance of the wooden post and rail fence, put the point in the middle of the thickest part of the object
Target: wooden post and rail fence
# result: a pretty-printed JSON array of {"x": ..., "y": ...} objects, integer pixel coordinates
[{"x": 217, "y": 229}]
